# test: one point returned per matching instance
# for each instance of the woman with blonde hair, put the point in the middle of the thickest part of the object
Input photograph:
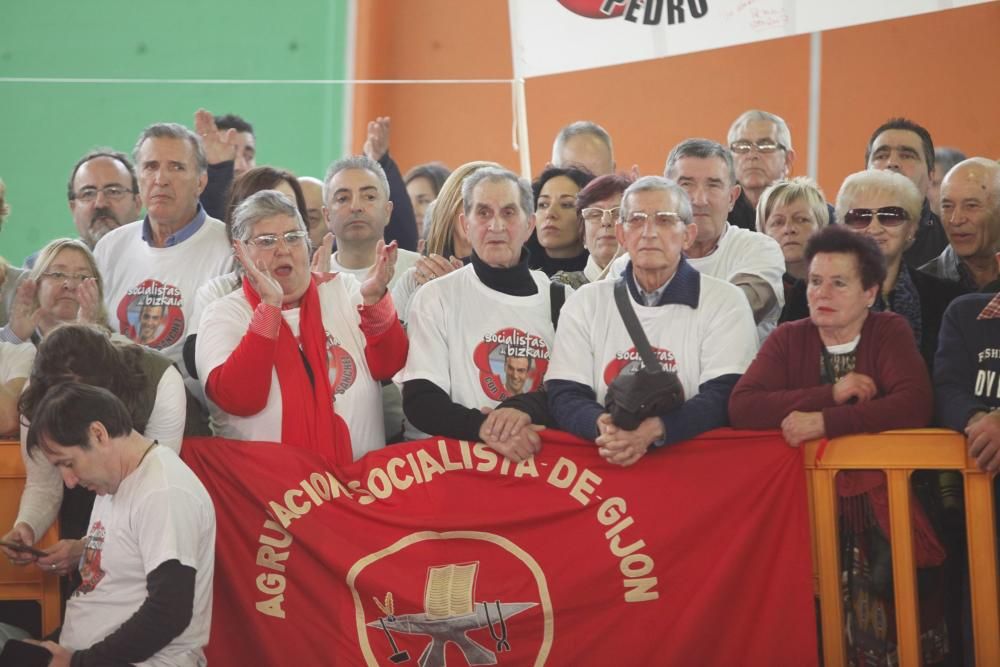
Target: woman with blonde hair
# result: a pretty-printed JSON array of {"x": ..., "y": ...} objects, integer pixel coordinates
[
  {"x": 9, "y": 275},
  {"x": 790, "y": 212},
  {"x": 448, "y": 247},
  {"x": 885, "y": 206},
  {"x": 64, "y": 286}
]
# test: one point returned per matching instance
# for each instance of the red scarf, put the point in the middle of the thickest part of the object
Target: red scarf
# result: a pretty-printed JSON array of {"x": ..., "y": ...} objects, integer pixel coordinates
[{"x": 307, "y": 416}]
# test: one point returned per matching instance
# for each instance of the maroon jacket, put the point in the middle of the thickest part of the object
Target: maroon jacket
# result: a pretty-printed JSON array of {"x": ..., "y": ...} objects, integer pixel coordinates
[{"x": 785, "y": 376}]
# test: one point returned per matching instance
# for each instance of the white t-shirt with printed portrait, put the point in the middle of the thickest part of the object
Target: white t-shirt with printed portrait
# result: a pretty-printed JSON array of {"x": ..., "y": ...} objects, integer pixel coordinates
[
  {"x": 699, "y": 344},
  {"x": 462, "y": 333},
  {"x": 160, "y": 512}
]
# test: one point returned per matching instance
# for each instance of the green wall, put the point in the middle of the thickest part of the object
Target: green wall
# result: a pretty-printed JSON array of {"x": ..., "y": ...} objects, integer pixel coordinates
[{"x": 46, "y": 127}]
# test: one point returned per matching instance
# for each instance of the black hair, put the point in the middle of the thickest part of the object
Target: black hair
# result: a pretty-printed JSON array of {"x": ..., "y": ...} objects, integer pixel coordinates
[
  {"x": 579, "y": 176},
  {"x": 66, "y": 412},
  {"x": 231, "y": 121},
  {"x": 839, "y": 239},
  {"x": 435, "y": 172},
  {"x": 909, "y": 126}
]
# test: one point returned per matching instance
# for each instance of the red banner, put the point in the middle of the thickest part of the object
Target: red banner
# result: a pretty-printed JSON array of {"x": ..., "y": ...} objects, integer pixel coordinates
[{"x": 440, "y": 552}]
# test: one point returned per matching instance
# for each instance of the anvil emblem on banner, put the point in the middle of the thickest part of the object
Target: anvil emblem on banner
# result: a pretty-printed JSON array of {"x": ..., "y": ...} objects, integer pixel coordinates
[{"x": 449, "y": 614}]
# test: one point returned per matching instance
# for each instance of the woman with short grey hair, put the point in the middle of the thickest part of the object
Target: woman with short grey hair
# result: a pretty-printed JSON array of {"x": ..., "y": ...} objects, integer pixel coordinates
[{"x": 295, "y": 356}]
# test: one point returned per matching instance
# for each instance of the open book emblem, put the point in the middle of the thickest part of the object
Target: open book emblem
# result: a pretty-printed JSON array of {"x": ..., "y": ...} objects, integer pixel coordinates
[{"x": 450, "y": 612}]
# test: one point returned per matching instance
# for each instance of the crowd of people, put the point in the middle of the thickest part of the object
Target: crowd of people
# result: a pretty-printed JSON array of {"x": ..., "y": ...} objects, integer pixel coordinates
[{"x": 371, "y": 307}]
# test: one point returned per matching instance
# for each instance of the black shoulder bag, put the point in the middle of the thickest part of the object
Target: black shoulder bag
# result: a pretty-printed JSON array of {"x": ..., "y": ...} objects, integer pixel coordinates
[{"x": 633, "y": 397}]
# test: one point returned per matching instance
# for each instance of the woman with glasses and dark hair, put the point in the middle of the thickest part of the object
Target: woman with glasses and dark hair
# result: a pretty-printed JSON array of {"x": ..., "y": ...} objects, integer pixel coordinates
[
  {"x": 64, "y": 286},
  {"x": 598, "y": 205},
  {"x": 294, "y": 356},
  {"x": 885, "y": 206},
  {"x": 557, "y": 243}
]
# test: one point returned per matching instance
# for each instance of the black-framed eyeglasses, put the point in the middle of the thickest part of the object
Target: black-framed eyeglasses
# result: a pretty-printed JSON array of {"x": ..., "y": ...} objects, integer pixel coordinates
[
  {"x": 597, "y": 214},
  {"x": 270, "y": 241},
  {"x": 763, "y": 146},
  {"x": 888, "y": 216},
  {"x": 661, "y": 219},
  {"x": 112, "y": 192},
  {"x": 61, "y": 276}
]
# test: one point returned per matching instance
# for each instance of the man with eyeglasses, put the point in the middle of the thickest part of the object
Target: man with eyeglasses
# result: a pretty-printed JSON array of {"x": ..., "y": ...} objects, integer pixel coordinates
[
  {"x": 699, "y": 327},
  {"x": 162, "y": 259},
  {"x": 750, "y": 260},
  {"x": 903, "y": 146},
  {"x": 762, "y": 155},
  {"x": 970, "y": 210},
  {"x": 103, "y": 194}
]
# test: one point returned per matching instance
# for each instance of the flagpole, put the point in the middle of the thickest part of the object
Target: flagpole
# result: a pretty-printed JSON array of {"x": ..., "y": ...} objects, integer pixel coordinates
[
  {"x": 815, "y": 72},
  {"x": 521, "y": 127}
]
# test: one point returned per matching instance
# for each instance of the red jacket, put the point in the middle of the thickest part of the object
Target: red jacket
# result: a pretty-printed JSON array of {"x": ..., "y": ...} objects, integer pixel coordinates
[{"x": 785, "y": 377}]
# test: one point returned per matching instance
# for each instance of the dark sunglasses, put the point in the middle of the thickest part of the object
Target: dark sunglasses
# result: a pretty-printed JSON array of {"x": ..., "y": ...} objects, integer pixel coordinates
[{"x": 888, "y": 216}]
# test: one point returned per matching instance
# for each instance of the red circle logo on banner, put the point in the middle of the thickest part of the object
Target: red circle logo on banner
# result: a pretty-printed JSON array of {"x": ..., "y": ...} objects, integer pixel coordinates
[{"x": 591, "y": 8}]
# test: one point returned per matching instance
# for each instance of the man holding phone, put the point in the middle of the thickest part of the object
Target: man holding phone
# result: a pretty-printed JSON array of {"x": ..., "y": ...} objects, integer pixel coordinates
[{"x": 148, "y": 556}]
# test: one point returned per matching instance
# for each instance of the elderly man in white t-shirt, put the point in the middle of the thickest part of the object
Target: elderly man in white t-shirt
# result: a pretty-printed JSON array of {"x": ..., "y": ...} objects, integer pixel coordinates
[
  {"x": 149, "y": 554},
  {"x": 750, "y": 260},
  {"x": 466, "y": 325},
  {"x": 699, "y": 327}
]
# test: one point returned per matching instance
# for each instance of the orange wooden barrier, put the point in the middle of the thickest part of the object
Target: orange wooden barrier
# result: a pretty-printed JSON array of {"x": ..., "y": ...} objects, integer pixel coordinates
[
  {"x": 899, "y": 453},
  {"x": 24, "y": 583}
]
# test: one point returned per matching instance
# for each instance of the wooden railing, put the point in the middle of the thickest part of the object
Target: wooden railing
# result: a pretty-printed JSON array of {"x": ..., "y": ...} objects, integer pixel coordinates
[
  {"x": 24, "y": 583},
  {"x": 898, "y": 454}
]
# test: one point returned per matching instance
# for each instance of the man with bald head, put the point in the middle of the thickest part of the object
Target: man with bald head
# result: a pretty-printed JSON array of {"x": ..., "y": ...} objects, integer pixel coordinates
[
  {"x": 103, "y": 194},
  {"x": 584, "y": 144},
  {"x": 970, "y": 212}
]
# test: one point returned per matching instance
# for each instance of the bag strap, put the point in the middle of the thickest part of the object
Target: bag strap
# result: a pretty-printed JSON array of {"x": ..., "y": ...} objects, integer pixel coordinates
[
  {"x": 635, "y": 332},
  {"x": 557, "y": 297}
]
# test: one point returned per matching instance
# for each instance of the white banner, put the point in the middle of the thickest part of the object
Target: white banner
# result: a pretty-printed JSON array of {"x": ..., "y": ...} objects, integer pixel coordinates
[{"x": 552, "y": 36}]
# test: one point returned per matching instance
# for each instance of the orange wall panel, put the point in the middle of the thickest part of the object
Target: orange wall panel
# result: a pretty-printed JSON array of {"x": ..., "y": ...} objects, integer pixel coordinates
[{"x": 939, "y": 69}]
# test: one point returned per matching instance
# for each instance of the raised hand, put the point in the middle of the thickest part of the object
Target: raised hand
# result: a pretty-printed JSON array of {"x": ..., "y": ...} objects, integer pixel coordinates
[
  {"x": 260, "y": 277},
  {"x": 219, "y": 145},
  {"x": 321, "y": 258},
  {"x": 377, "y": 142},
  {"x": 25, "y": 313},
  {"x": 376, "y": 284},
  {"x": 89, "y": 299}
]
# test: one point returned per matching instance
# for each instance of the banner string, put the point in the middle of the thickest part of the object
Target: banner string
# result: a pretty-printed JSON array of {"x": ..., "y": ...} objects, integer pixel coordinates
[{"x": 249, "y": 82}]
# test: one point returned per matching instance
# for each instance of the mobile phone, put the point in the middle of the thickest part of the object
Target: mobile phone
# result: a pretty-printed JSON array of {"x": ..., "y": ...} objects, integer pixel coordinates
[
  {"x": 23, "y": 548},
  {"x": 17, "y": 653}
]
